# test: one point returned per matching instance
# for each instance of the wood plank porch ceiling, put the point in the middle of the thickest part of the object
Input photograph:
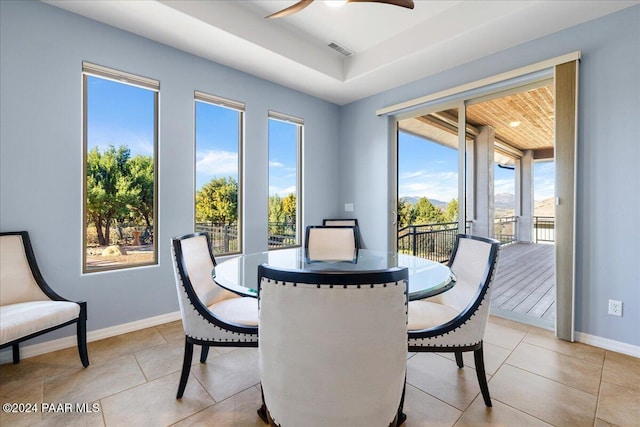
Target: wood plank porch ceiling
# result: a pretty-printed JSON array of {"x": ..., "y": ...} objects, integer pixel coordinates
[{"x": 533, "y": 109}]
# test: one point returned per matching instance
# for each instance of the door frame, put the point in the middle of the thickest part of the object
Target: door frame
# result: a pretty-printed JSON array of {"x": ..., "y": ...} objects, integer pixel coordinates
[{"x": 564, "y": 71}]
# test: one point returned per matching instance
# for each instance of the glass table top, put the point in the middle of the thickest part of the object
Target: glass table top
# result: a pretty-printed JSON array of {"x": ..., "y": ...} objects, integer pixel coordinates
[{"x": 426, "y": 278}]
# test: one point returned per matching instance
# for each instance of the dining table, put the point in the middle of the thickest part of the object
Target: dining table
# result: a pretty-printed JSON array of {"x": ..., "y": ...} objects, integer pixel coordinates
[{"x": 426, "y": 278}]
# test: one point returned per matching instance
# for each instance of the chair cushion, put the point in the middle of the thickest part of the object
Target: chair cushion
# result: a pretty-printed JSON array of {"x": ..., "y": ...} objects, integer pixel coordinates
[
  {"x": 26, "y": 318},
  {"x": 425, "y": 314},
  {"x": 331, "y": 244},
  {"x": 240, "y": 310},
  {"x": 16, "y": 279}
]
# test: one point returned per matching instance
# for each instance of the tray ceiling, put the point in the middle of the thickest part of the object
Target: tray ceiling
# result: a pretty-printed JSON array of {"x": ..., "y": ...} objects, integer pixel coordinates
[{"x": 391, "y": 46}]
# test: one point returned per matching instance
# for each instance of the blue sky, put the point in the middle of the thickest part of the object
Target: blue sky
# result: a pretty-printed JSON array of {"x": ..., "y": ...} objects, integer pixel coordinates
[
  {"x": 283, "y": 139},
  {"x": 217, "y": 148},
  {"x": 119, "y": 114},
  {"x": 216, "y": 143},
  {"x": 427, "y": 169}
]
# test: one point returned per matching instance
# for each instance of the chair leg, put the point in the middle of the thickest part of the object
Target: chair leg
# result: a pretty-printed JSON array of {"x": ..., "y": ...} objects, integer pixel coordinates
[
  {"x": 482, "y": 377},
  {"x": 401, "y": 417},
  {"x": 459, "y": 360},
  {"x": 16, "y": 353},
  {"x": 204, "y": 353},
  {"x": 82, "y": 340},
  {"x": 186, "y": 367},
  {"x": 262, "y": 412}
]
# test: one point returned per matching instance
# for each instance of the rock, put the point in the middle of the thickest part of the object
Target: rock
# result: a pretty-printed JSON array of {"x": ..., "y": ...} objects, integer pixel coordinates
[{"x": 113, "y": 250}]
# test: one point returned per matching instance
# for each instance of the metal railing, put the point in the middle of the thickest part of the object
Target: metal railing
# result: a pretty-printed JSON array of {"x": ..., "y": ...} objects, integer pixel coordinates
[
  {"x": 281, "y": 235},
  {"x": 431, "y": 241},
  {"x": 505, "y": 229},
  {"x": 224, "y": 238},
  {"x": 544, "y": 228}
]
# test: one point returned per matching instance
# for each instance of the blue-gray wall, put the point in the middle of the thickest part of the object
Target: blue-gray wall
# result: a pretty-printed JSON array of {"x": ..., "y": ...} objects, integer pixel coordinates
[
  {"x": 42, "y": 49},
  {"x": 346, "y": 152},
  {"x": 608, "y": 174}
]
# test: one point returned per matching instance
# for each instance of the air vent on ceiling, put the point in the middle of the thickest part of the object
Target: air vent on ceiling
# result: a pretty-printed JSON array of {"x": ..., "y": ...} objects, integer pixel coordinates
[{"x": 343, "y": 50}]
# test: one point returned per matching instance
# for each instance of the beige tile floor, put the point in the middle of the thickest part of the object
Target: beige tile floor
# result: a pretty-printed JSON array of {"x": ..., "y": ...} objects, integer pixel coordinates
[{"x": 534, "y": 379}]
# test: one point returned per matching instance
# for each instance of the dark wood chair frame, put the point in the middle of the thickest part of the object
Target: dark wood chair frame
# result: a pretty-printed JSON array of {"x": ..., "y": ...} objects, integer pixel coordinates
[
  {"x": 81, "y": 320},
  {"x": 338, "y": 278},
  {"x": 326, "y": 220},
  {"x": 206, "y": 314},
  {"x": 462, "y": 318},
  {"x": 308, "y": 232}
]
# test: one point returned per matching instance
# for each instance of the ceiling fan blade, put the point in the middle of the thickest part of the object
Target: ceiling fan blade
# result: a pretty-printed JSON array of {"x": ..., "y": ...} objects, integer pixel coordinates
[
  {"x": 402, "y": 3},
  {"x": 291, "y": 9}
]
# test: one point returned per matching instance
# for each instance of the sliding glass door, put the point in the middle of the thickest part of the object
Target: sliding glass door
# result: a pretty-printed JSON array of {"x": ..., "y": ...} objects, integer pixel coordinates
[{"x": 489, "y": 142}]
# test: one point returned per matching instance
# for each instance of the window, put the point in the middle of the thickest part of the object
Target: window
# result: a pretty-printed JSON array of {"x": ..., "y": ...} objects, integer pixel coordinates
[
  {"x": 219, "y": 125},
  {"x": 120, "y": 133},
  {"x": 285, "y": 145}
]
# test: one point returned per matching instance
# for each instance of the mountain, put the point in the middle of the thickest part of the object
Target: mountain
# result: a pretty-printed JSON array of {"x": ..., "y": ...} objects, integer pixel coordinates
[
  {"x": 504, "y": 201},
  {"x": 434, "y": 202},
  {"x": 544, "y": 207}
]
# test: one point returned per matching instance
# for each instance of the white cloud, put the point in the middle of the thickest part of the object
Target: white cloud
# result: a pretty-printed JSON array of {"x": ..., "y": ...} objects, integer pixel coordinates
[
  {"x": 282, "y": 192},
  {"x": 501, "y": 186},
  {"x": 409, "y": 175},
  {"x": 544, "y": 180},
  {"x": 441, "y": 185},
  {"x": 544, "y": 188},
  {"x": 102, "y": 137},
  {"x": 274, "y": 164},
  {"x": 141, "y": 146},
  {"x": 217, "y": 163}
]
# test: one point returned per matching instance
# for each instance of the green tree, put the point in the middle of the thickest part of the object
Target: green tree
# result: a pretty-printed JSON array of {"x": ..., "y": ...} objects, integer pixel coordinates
[
  {"x": 425, "y": 212},
  {"x": 109, "y": 190},
  {"x": 276, "y": 211},
  {"x": 289, "y": 207},
  {"x": 451, "y": 212},
  {"x": 405, "y": 213},
  {"x": 141, "y": 171},
  {"x": 217, "y": 201}
]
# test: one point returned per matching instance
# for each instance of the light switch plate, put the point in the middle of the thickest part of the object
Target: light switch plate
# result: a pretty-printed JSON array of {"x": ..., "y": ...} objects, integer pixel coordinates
[{"x": 348, "y": 207}]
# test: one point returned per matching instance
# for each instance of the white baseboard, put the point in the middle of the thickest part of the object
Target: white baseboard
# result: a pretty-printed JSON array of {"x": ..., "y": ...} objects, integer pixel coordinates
[
  {"x": 607, "y": 344},
  {"x": 523, "y": 318},
  {"x": 71, "y": 341}
]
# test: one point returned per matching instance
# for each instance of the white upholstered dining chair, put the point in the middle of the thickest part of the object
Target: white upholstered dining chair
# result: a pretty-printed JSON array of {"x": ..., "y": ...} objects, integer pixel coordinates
[
  {"x": 331, "y": 243},
  {"x": 28, "y": 306},
  {"x": 455, "y": 321},
  {"x": 353, "y": 222},
  {"x": 332, "y": 347},
  {"x": 211, "y": 315}
]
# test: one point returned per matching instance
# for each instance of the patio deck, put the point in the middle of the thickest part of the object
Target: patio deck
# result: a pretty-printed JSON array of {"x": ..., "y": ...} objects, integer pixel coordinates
[{"x": 525, "y": 280}]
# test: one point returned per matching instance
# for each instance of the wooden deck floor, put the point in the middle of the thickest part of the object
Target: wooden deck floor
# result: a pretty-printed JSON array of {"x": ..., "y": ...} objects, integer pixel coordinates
[{"x": 525, "y": 280}]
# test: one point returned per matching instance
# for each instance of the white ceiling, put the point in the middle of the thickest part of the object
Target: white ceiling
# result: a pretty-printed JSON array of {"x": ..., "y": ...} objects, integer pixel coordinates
[{"x": 391, "y": 45}]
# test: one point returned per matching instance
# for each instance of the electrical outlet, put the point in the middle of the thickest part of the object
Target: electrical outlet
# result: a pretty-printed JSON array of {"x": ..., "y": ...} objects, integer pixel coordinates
[{"x": 615, "y": 307}]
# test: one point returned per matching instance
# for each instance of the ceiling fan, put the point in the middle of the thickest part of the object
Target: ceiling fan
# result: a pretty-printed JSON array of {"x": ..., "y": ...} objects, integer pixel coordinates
[{"x": 297, "y": 7}]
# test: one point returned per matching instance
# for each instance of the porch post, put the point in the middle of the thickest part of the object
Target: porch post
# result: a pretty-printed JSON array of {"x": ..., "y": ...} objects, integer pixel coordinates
[
  {"x": 524, "y": 183},
  {"x": 483, "y": 185}
]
